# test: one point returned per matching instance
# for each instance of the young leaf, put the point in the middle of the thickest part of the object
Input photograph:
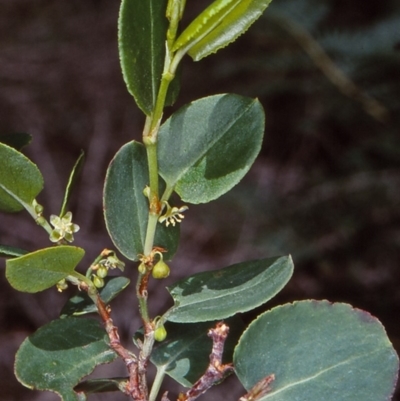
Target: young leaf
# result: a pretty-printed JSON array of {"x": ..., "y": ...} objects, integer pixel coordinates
[
  {"x": 59, "y": 354},
  {"x": 206, "y": 147},
  {"x": 218, "y": 25},
  {"x": 20, "y": 180},
  {"x": 126, "y": 208},
  {"x": 142, "y": 28},
  {"x": 318, "y": 351},
  {"x": 71, "y": 181},
  {"x": 184, "y": 355},
  {"x": 81, "y": 304},
  {"x": 42, "y": 269},
  {"x": 11, "y": 251},
  {"x": 16, "y": 140},
  {"x": 219, "y": 294}
]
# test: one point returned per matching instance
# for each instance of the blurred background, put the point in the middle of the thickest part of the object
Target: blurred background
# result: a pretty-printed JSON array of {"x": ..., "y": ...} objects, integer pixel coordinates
[{"x": 326, "y": 187}]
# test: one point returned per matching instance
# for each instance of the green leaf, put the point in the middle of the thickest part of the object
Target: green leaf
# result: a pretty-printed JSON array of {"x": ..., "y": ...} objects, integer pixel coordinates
[
  {"x": 219, "y": 294},
  {"x": 42, "y": 269},
  {"x": 184, "y": 355},
  {"x": 142, "y": 28},
  {"x": 219, "y": 25},
  {"x": 81, "y": 303},
  {"x": 206, "y": 147},
  {"x": 20, "y": 180},
  {"x": 72, "y": 181},
  {"x": 11, "y": 251},
  {"x": 318, "y": 351},
  {"x": 92, "y": 386},
  {"x": 16, "y": 140},
  {"x": 59, "y": 354},
  {"x": 126, "y": 209}
]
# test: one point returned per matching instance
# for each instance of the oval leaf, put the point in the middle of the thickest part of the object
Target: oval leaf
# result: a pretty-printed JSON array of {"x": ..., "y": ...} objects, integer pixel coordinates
[
  {"x": 42, "y": 269},
  {"x": 81, "y": 303},
  {"x": 184, "y": 355},
  {"x": 59, "y": 354},
  {"x": 219, "y": 294},
  {"x": 142, "y": 28},
  {"x": 11, "y": 251},
  {"x": 20, "y": 180},
  {"x": 126, "y": 208},
  {"x": 218, "y": 25},
  {"x": 207, "y": 147},
  {"x": 318, "y": 351}
]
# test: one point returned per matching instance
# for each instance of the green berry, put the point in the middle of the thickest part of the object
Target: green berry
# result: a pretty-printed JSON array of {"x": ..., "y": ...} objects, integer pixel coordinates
[
  {"x": 98, "y": 281},
  {"x": 102, "y": 272},
  {"x": 160, "y": 334},
  {"x": 160, "y": 270}
]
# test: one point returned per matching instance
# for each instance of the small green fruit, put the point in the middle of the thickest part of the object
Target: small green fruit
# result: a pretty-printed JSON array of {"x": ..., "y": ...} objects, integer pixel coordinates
[
  {"x": 102, "y": 271},
  {"x": 160, "y": 334},
  {"x": 98, "y": 281},
  {"x": 160, "y": 270}
]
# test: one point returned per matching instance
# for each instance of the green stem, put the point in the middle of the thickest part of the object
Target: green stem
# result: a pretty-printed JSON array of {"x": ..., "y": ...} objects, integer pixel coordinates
[
  {"x": 150, "y": 234},
  {"x": 155, "y": 388}
]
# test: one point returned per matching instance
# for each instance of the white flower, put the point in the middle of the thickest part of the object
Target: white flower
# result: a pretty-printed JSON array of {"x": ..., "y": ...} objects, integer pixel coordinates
[
  {"x": 172, "y": 215},
  {"x": 63, "y": 228}
]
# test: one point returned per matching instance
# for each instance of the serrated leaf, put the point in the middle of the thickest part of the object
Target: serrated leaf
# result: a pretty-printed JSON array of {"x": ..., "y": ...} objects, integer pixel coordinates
[
  {"x": 42, "y": 269},
  {"x": 206, "y": 147},
  {"x": 218, "y": 25},
  {"x": 16, "y": 140},
  {"x": 142, "y": 28},
  {"x": 72, "y": 181},
  {"x": 11, "y": 251},
  {"x": 59, "y": 354},
  {"x": 184, "y": 355},
  {"x": 219, "y": 294},
  {"x": 318, "y": 351},
  {"x": 126, "y": 208},
  {"x": 81, "y": 303},
  {"x": 20, "y": 180}
]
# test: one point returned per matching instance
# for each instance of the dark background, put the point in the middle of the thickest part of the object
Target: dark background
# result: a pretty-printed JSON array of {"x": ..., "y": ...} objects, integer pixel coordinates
[{"x": 326, "y": 187}]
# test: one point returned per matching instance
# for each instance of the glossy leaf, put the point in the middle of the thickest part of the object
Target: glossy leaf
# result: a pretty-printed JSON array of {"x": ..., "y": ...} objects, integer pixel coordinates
[
  {"x": 126, "y": 208},
  {"x": 72, "y": 181},
  {"x": 218, "y": 25},
  {"x": 142, "y": 28},
  {"x": 219, "y": 294},
  {"x": 184, "y": 355},
  {"x": 16, "y": 140},
  {"x": 59, "y": 354},
  {"x": 81, "y": 303},
  {"x": 206, "y": 147},
  {"x": 20, "y": 180},
  {"x": 11, "y": 251},
  {"x": 318, "y": 351},
  {"x": 42, "y": 269}
]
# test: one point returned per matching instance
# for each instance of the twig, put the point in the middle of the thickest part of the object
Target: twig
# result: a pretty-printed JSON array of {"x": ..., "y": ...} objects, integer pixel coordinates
[
  {"x": 133, "y": 388},
  {"x": 259, "y": 389},
  {"x": 216, "y": 370}
]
